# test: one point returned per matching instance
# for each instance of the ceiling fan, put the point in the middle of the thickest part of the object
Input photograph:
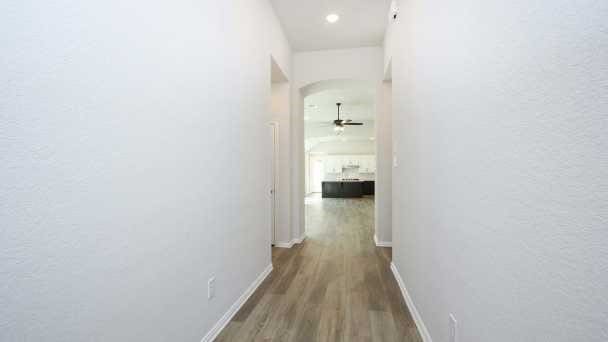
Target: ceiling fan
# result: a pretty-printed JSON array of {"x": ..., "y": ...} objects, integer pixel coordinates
[{"x": 339, "y": 124}]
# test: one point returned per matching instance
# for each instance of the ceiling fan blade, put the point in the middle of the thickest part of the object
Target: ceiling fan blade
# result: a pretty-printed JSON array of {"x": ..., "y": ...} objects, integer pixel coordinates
[{"x": 353, "y": 123}]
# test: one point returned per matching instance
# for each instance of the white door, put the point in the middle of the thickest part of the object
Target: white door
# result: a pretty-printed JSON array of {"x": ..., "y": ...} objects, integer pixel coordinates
[
  {"x": 274, "y": 153},
  {"x": 317, "y": 174}
]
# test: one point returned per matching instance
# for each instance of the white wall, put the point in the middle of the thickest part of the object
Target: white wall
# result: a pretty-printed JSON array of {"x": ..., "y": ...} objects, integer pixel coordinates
[
  {"x": 345, "y": 147},
  {"x": 384, "y": 165},
  {"x": 307, "y": 171},
  {"x": 124, "y": 128},
  {"x": 501, "y": 189},
  {"x": 363, "y": 64}
]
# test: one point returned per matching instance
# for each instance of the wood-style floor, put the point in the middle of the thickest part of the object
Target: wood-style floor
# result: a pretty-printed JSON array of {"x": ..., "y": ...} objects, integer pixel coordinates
[{"x": 336, "y": 286}]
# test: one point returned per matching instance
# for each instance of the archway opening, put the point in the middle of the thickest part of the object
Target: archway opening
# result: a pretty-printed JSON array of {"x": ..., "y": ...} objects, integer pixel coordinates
[{"x": 339, "y": 150}]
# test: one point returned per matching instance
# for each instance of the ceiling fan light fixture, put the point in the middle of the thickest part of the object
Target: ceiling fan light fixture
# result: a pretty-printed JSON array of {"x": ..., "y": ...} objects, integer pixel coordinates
[{"x": 339, "y": 123}]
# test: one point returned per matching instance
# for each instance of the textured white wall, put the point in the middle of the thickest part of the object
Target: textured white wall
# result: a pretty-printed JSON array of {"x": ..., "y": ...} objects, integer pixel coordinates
[
  {"x": 384, "y": 164},
  {"x": 124, "y": 130},
  {"x": 501, "y": 193}
]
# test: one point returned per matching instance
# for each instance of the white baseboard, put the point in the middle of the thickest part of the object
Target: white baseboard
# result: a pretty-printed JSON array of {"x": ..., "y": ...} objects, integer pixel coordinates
[
  {"x": 382, "y": 243},
  {"x": 284, "y": 244},
  {"x": 221, "y": 324},
  {"x": 299, "y": 240},
  {"x": 290, "y": 243},
  {"x": 424, "y": 333}
]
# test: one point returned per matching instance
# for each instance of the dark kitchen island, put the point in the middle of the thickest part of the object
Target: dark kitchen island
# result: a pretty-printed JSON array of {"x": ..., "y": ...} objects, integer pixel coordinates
[{"x": 347, "y": 188}]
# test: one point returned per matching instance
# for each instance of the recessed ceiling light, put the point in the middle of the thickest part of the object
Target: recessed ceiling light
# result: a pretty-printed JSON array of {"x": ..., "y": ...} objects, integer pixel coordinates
[{"x": 332, "y": 18}]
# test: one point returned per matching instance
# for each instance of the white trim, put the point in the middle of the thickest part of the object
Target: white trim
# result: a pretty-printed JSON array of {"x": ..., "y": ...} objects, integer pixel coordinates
[
  {"x": 276, "y": 171},
  {"x": 221, "y": 324},
  {"x": 424, "y": 333},
  {"x": 299, "y": 240},
  {"x": 291, "y": 243},
  {"x": 284, "y": 244},
  {"x": 382, "y": 243}
]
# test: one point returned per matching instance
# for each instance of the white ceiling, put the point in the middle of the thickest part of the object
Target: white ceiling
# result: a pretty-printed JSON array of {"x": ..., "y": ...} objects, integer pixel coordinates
[
  {"x": 362, "y": 23},
  {"x": 357, "y": 104},
  {"x": 320, "y": 110}
]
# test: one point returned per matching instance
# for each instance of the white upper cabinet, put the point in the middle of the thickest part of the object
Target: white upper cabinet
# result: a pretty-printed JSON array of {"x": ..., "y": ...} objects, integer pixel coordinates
[
  {"x": 372, "y": 164},
  {"x": 334, "y": 164},
  {"x": 351, "y": 161},
  {"x": 367, "y": 164}
]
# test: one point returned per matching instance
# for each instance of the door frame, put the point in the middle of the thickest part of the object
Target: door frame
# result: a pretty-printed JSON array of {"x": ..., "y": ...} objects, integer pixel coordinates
[{"x": 274, "y": 179}]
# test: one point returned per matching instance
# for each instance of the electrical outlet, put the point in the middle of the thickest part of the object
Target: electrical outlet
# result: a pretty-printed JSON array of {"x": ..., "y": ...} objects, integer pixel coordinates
[
  {"x": 453, "y": 326},
  {"x": 211, "y": 288}
]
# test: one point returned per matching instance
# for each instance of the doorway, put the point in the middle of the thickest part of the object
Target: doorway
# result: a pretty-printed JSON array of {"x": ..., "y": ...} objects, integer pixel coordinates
[
  {"x": 339, "y": 140},
  {"x": 279, "y": 156},
  {"x": 274, "y": 134}
]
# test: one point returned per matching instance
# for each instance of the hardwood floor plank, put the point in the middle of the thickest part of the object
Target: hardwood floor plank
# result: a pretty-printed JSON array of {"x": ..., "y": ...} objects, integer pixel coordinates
[
  {"x": 229, "y": 332},
  {"x": 258, "y": 319},
  {"x": 254, "y": 300},
  {"x": 289, "y": 272},
  {"x": 308, "y": 324},
  {"x": 335, "y": 286},
  {"x": 382, "y": 327},
  {"x": 331, "y": 326}
]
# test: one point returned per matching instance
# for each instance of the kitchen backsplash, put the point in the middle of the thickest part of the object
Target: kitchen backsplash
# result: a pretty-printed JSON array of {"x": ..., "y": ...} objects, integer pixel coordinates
[{"x": 351, "y": 173}]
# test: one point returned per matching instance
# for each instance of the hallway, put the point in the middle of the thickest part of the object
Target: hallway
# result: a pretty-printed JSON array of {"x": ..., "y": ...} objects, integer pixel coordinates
[
  {"x": 156, "y": 158},
  {"x": 336, "y": 286}
]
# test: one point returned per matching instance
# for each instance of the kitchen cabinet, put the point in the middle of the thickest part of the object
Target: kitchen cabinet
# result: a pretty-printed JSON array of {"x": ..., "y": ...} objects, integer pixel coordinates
[
  {"x": 368, "y": 187},
  {"x": 352, "y": 161},
  {"x": 335, "y": 164},
  {"x": 342, "y": 189},
  {"x": 367, "y": 164}
]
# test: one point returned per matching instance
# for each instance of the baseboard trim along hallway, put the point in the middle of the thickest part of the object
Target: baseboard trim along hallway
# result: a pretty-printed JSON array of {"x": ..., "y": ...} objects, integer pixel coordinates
[
  {"x": 221, "y": 324},
  {"x": 300, "y": 239},
  {"x": 382, "y": 243},
  {"x": 424, "y": 333},
  {"x": 290, "y": 243},
  {"x": 284, "y": 244}
]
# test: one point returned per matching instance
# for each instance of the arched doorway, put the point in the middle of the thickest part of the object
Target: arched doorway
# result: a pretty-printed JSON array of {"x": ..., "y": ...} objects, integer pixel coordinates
[{"x": 344, "y": 152}]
